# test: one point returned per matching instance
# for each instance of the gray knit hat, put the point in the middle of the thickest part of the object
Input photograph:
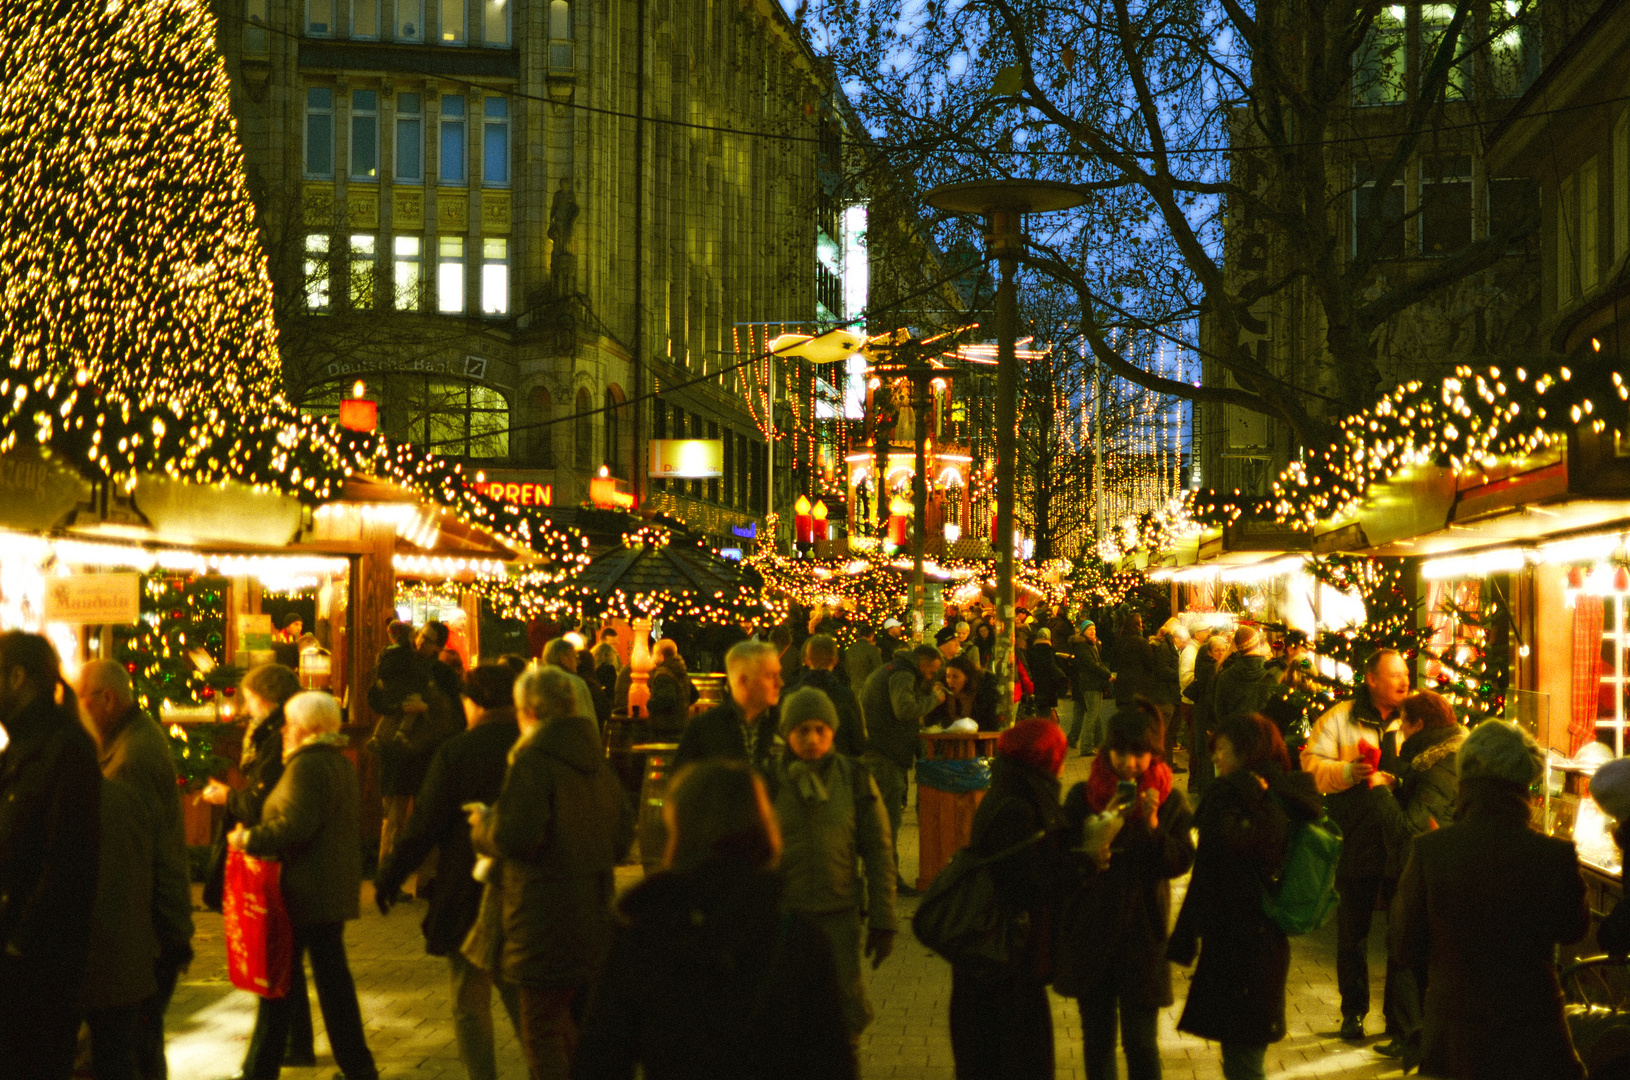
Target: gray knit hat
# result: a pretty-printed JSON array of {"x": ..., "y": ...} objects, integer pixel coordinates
[
  {"x": 1497, "y": 750},
  {"x": 1610, "y": 787},
  {"x": 806, "y": 703}
]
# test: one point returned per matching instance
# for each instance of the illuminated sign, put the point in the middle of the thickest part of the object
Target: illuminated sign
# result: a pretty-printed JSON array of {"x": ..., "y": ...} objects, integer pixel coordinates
[
  {"x": 93, "y": 599},
  {"x": 603, "y": 491},
  {"x": 746, "y": 532},
  {"x": 687, "y": 459},
  {"x": 517, "y": 493}
]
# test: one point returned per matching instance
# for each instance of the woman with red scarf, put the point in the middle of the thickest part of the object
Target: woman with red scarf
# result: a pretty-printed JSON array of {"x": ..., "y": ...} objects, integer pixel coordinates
[{"x": 1112, "y": 936}]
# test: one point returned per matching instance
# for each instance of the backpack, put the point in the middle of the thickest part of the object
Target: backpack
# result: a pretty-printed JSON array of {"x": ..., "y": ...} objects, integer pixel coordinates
[
  {"x": 1305, "y": 894},
  {"x": 959, "y": 917}
]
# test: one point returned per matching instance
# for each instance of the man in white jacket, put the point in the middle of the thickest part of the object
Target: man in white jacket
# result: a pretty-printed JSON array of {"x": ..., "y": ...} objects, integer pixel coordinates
[{"x": 1332, "y": 756}]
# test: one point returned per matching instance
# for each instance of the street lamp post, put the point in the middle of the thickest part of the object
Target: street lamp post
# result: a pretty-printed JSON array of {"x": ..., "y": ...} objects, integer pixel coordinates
[{"x": 1003, "y": 204}]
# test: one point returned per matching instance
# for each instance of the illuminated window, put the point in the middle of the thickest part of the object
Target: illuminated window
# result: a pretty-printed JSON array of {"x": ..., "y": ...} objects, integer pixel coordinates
[
  {"x": 1378, "y": 67},
  {"x": 560, "y": 35},
  {"x": 585, "y": 430},
  {"x": 409, "y": 139},
  {"x": 319, "y": 18},
  {"x": 453, "y": 29},
  {"x": 495, "y": 143},
  {"x": 257, "y": 37},
  {"x": 456, "y": 417},
  {"x": 409, "y": 20},
  {"x": 364, "y": 249},
  {"x": 408, "y": 272},
  {"x": 315, "y": 271},
  {"x": 494, "y": 276},
  {"x": 450, "y": 275},
  {"x": 495, "y": 23},
  {"x": 365, "y": 19},
  {"x": 1514, "y": 51},
  {"x": 453, "y": 168},
  {"x": 365, "y": 135},
  {"x": 319, "y": 133},
  {"x": 1435, "y": 20}
]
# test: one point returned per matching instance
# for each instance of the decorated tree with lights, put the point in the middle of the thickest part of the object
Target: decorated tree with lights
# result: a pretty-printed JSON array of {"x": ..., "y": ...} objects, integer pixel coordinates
[{"x": 1469, "y": 662}]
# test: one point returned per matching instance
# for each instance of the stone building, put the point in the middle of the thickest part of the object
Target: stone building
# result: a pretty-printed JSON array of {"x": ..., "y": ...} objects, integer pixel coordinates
[{"x": 514, "y": 221}]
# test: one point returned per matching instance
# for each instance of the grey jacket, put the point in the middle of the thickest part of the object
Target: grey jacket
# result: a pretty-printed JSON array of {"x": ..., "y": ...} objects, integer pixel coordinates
[
  {"x": 895, "y": 700},
  {"x": 123, "y": 942},
  {"x": 823, "y": 840},
  {"x": 312, "y": 822},
  {"x": 138, "y": 753}
]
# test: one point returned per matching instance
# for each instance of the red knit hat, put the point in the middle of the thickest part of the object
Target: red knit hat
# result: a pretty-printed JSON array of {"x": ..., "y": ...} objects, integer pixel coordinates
[{"x": 1038, "y": 743}]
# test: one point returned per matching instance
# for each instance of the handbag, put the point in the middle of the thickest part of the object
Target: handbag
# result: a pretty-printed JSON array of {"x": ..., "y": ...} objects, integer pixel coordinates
[
  {"x": 259, "y": 936},
  {"x": 960, "y": 919}
]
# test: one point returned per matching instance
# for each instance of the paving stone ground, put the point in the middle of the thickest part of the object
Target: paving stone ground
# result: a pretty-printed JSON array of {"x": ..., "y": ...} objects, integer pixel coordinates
[{"x": 404, "y": 997}]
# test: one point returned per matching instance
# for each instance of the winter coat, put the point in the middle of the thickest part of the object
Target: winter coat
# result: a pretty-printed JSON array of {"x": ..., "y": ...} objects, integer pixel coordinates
[
  {"x": 123, "y": 938},
  {"x": 1242, "y": 686},
  {"x": 1480, "y": 909},
  {"x": 708, "y": 980},
  {"x": 1334, "y": 743},
  {"x": 1204, "y": 692},
  {"x": 1090, "y": 672},
  {"x": 850, "y": 738},
  {"x": 261, "y": 768},
  {"x": 1238, "y": 990},
  {"x": 559, "y": 827},
  {"x": 1022, "y": 801},
  {"x": 466, "y": 768},
  {"x": 50, "y": 822},
  {"x": 1428, "y": 779},
  {"x": 977, "y": 702},
  {"x": 137, "y": 752},
  {"x": 1134, "y": 664},
  {"x": 1166, "y": 686},
  {"x": 1113, "y": 926},
  {"x": 895, "y": 700},
  {"x": 861, "y": 659},
  {"x": 1050, "y": 681},
  {"x": 312, "y": 822},
  {"x": 406, "y": 741},
  {"x": 823, "y": 839},
  {"x": 722, "y": 732}
]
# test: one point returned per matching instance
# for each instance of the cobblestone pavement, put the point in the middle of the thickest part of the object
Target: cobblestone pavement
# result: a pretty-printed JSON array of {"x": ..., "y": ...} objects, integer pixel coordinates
[{"x": 404, "y": 996}]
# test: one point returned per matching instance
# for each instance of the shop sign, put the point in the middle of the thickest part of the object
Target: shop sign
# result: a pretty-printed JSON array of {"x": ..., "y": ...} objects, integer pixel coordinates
[
  {"x": 748, "y": 531},
  {"x": 35, "y": 493},
  {"x": 517, "y": 493},
  {"x": 687, "y": 459},
  {"x": 93, "y": 599}
]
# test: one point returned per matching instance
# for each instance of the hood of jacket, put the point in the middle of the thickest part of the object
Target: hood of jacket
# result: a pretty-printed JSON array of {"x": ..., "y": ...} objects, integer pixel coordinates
[
  {"x": 573, "y": 739},
  {"x": 1427, "y": 747}
]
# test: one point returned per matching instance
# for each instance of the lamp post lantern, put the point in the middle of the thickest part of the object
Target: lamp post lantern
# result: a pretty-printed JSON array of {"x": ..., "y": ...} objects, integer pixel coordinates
[{"x": 1003, "y": 204}]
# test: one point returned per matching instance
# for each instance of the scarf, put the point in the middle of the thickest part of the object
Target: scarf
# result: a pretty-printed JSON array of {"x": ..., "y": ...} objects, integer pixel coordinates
[
  {"x": 808, "y": 778},
  {"x": 1102, "y": 781},
  {"x": 329, "y": 738}
]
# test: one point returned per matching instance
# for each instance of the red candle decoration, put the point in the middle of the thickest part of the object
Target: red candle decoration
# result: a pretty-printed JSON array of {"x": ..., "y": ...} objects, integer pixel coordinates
[
  {"x": 357, "y": 413},
  {"x": 803, "y": 523},
  {"x": 819, "y": 524}
]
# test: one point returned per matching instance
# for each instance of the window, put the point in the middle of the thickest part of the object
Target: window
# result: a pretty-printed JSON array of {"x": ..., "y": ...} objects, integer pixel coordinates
[
  {"x": 1378, "y": 231},
  {"x": 1621, "y": 186},
  {"x": 456, "y": 417},
  {"x": 409, "y": 20},
  {"x": 409, "y": 139},
  {"x": 542, "y": 435},
  {"x": 494, "y": 276},
  {"x": 614, "y": 457},
  {"x": 1589, "y": 226},
  {"x": 1514, "y": 53},
  {"x": 1446, "y": 205},
  {"x": 257, "y": 36},
  {"x": 365, "y": 135},
  {"x": 450, "y": 275},
  {"x": 1435, "y": 22},
  {"x": 453, "y": 30},
  {"x": 585, "y": 430},
  {"x": 314, "y": 271},
  {"x": 495, "y": 22},
  {"x": 1378, "y": 67},
  {"x": 452, "y": 139},
  {"x": 319, "y": 18},
  {"x": 408, "y": 272},
  {"x": 319, "y": 133},
  {"x": 1567, "y": 239},
  {"x": 560, "y": 35},
  {"x": 365, "y": 19},
  {"x": 363, "y": 251},
  {"x": 495, "y": 143}
]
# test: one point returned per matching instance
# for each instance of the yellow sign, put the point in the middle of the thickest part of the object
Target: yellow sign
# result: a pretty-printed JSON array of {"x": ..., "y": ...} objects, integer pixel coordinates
[
  {"x": 93, "y": 599},
  {"x": 687, "y": 459}
]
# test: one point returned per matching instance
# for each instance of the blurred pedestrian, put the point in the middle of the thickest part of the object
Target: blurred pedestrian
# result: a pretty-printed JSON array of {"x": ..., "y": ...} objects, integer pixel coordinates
[
  {"x": 312, "y": 824},
  {"x": 742, "y": 727},
  {"x": 468, "y": 768},
  {"x": 1092, "y": 679},
  {"x": 1133, "y": 662},
  {"x": 862, "y": 657},
  {"x": 417, "y": 713},
  {"x": 557, "y": 831},
  {"x": 1243, "y": 685},
  {"x": 50, "y": 824},
  {"x": 895, "y": 701},
  {"x": 1482, "y": 906},
  {"x": 820, "y": 673},
  {"x": 1166, "y": 689},
  {"x": 1001, "y": 1022},
  {"x": 970, "y": 694},
  {"x": 707, "y": 978},
  {"x": 1204, "y": 692},
  {"x": 1237, "y": 995},
  {"x": 1114, "y": 926},
  {"x": 1049, "y": 679}
]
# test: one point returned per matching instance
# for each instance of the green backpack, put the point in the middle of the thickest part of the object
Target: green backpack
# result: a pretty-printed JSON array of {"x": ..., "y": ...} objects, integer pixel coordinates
[{"x": 1305, "y": 894}]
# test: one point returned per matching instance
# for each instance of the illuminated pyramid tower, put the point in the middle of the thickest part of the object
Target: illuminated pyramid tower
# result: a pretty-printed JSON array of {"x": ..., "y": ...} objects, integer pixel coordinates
[{"x": 134, "y": 297}]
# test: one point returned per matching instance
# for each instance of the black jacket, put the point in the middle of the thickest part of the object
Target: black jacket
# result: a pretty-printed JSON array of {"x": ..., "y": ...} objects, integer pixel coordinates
[
  {"x": 1113, "y": 926},
  {"x": 722, "y": 732},
  {"x": 1134, "y": 664},
  {"x": 850, "y": 738},
  {"x": 261, "y": 767},
  {"x": 1048, "y": 678},
  {"x": 1203, "y": 692},
  {"x": 1238, "y": 990},
  {"x": 708, "y": 980},
  {"x": 1164, "y": 689},
  {"x": 1428, "y": 780},
  {"x": 467, "y": 768},
  {"x": 1021, "y": 802},
  {"x": 50, "y": 826},
  {"x": 1243, "y": 686},
  {"x": 1090, "y": 672}
]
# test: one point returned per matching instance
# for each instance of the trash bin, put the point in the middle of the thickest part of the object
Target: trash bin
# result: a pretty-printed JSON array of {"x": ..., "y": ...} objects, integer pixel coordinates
[{"x": 952, "y": 775}]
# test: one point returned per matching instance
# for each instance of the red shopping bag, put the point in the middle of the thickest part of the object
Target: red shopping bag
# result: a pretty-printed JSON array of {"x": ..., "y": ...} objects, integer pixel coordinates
[{"x": 259, "y": 937}]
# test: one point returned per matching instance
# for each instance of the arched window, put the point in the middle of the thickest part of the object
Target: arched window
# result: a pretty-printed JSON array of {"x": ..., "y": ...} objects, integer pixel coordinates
[
  {"x": 542, "y": 436},
  {"x": 585, "y": 431},
  {"x": 617, "y": 456},
  {"x": 455, "y": 417}
]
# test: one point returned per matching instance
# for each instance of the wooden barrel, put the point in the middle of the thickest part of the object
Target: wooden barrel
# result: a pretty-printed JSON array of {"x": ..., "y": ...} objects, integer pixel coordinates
[
  {"x": 711, "y": 689},
  {"x": 622, "y": 738},
  {"x": 652, "y": 832}
]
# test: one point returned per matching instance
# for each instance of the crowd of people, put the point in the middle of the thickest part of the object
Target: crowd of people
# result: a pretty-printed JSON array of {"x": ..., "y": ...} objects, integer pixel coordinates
[{"x": 746, "y": 955}]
